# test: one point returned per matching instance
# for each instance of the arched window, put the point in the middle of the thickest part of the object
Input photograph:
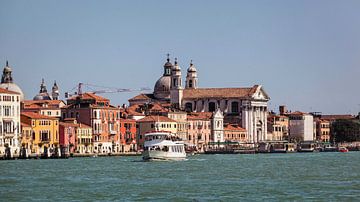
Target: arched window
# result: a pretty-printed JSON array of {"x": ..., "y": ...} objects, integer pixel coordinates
[
  {"x": 190, "y": 83},
  {"x": 235, "y": 107},
  {"x": 211, "y": 106},
  {"x": 188, "y": 107}
]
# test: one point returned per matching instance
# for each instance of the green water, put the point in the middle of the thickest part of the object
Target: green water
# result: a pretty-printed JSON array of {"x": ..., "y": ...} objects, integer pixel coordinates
[{"x": 254, "y": 177}]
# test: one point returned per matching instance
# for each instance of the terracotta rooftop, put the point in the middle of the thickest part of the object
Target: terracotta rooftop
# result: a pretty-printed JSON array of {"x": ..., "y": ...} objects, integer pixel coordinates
[
  {"x": 231, "y": 127},
  {"x": 337, "y": 116},
  {"x": 52, "y": 102},
  {"x": 199, "y": 116},
  {"x": 298, "y": 113},
  {"x": 2, "y": 90},
  {"x": 89, "y": 96},
  {"x": 36, "y": 115},
  {"x": 219, "y": 92},
  {"x": 141, "y": 97},
  {"x": 37, "y": 104},
  {"x": 156, "y": 119}
]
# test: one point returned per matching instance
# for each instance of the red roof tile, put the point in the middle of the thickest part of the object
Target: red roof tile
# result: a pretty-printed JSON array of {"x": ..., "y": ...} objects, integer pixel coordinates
[
  {"x": 140, "y": 97},
  {"x": 219, "y": 92},
  {"x": 231, "y": 127},
  {"x": 337, "y": 116},
  {"x": 89, "y": 96},
  {"x": 36, "y": 115},
  {"x": 156, "y": 119},
  {"x": 199, "y": 116}
]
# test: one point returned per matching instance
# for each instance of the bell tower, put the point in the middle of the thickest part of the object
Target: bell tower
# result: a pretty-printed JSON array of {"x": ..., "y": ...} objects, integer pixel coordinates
[
  {"x": 176, "y": 90},
  {"x": 55, "y": 91},
  {"x": 191, "y": 77}
]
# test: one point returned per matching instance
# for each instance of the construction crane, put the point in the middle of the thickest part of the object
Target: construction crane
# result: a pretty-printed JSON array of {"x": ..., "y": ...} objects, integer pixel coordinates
[{"x": 103, "y": 89}]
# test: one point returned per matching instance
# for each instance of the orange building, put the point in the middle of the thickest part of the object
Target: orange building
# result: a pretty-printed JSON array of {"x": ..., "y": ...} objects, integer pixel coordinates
[
  {"x": 26, "y": 140},
  {"x": 322, "y": 130},
  {"x": 127, "y": 135},
  {"x": 235, "y": 133}
]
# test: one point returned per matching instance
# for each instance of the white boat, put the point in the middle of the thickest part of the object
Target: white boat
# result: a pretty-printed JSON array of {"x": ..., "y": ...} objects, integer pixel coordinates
[{"x": 163, "y": 146}]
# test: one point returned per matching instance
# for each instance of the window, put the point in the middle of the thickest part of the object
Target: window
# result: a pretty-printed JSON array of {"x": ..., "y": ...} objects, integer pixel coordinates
[
  {"x": 190, "y": 83},
  {"x": 188, "y": 107},
  {"x": 235, "y": 107},
  {"x": 211, "y": 106}
]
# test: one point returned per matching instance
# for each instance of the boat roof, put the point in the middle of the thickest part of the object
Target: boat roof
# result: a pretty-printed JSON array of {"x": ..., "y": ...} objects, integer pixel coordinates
[{"x": 159, "y": 133}]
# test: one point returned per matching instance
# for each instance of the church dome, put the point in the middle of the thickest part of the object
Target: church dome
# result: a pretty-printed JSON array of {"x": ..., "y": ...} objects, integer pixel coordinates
[
  {"x": 191, "y": 68},
  {"x": 176, "y": 67},
  {"x": 13, "y": 87},
  {"x": 162, "y": 87},
  {"x": 42, "y": 96}
]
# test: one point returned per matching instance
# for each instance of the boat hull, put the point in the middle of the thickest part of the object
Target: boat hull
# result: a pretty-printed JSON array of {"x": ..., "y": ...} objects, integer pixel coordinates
[{"x": 162, "y": 155}]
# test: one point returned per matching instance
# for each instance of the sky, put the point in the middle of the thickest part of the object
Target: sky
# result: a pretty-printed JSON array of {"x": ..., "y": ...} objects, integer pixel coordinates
[{"x": 305, "y": 54}]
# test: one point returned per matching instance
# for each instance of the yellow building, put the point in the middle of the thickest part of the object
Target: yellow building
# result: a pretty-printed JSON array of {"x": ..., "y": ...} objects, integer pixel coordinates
[
  {"x": 154, "y": 123},
  {"x": 278, "y": 127},
  {"x": 45, "y": 133},
  {"x": 182, "y": 124},
  {"x": 84, "y": 139}
]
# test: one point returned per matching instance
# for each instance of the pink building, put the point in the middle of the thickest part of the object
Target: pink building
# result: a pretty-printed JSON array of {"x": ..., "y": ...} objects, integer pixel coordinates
[
  {"x": 199, "y": 129},
  {"x": 67, "y": 137}
]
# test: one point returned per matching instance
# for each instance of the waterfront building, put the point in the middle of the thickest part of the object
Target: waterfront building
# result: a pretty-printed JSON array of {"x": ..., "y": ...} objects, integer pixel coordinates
[
  {"x": 154, "y": 123},
  {"x": 301, "y": 126},
  {"x": 9, "y": 123},
  {"x": 44, "y": 107},
  {"x": 199, "y": 131},
  {"x": 104, "y": 119},
  {"x": 244, "y": 106},
  {"x": 128, "y": 135},
  {"x": 83, "y": 139},
  {"x": 181, "y": 120},
  {"x": 26, "y": 140},
  {"x": 7, "y": 81},
  {"x": 67, "y": 137},
  {"x": 45, "y": 133},
  {"x": 278, "y": 127},
  {"x": 235, "y": 133},
  {"x": 322, "y": 130}
]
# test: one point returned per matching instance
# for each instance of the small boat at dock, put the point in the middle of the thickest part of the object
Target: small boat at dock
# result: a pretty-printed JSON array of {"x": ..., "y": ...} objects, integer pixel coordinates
[{"x": 343, "y": 149}]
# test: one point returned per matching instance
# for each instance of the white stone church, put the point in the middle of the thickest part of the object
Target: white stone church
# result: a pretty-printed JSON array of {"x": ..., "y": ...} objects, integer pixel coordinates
[{"x": 244, "y": 106}]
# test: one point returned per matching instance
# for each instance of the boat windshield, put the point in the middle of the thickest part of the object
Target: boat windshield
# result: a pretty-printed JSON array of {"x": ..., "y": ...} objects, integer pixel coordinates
[{"x": 157, "y": 137}]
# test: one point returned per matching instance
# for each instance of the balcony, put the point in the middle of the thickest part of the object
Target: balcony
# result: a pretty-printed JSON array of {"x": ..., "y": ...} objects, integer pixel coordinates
[
  {"x": 9, "y": 134},
  {"x": 112, "y": 132}
]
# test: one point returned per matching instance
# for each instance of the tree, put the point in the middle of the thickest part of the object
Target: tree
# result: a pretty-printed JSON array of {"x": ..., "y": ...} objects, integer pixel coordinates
[{"x": 345, "y": 130}]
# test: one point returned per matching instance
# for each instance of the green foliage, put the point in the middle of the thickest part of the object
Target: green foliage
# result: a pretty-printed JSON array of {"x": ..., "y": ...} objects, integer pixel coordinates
[{"x": 345, "y": 130}]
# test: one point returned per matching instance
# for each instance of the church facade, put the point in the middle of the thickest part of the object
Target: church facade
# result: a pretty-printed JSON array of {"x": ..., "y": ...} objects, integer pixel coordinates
[{"x": 246, "y": 107}]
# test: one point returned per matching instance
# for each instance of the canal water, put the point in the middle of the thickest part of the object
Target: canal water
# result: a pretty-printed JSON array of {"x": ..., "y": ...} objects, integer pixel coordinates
[{"x": 231, "y": 177}]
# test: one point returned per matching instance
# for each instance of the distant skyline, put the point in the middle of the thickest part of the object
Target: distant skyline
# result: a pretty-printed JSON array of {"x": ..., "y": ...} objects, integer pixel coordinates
[{"x": 306, "y": 54}]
